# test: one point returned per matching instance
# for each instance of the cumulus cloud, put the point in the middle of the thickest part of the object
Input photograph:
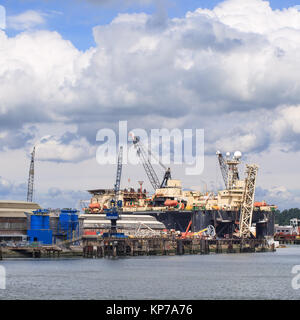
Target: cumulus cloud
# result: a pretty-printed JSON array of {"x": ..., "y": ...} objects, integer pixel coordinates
[
  {"x": 26, "y": 20},
  {"x": 16, "y": 139},
  {"x": 5, "y": 186},
  {"x": 12, "y": 190},
  {"x": 67, "y": 148},
  {"x": 232, "y": 70},
  {"x": 279, "y": 195},
  {"x": 252, "y": 16},
  {"x": 2, "y": 17},
  {"x": 61, "y": 198},
  {"x": 53, "y": 197},
  {"x": 204, "y": 63},
  {"x": 209, "y": 62},
  {"x": 280, "y": 126},
  {"x": 286, "y": 126}
]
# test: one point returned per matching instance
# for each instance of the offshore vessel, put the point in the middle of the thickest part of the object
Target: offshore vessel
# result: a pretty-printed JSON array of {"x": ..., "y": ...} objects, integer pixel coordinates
[{"x": 231, "y": 211}]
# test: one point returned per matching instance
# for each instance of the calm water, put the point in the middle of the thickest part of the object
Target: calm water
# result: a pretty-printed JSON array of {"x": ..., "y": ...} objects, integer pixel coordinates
[{"x": 224, "y": 276}]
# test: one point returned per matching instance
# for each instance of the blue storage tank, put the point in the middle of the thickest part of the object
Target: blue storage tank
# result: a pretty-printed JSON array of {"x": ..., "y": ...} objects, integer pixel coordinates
[
  {"x": 40, "y": 220},
  {"x": 40, "y": 227},
  {"x": 36, "y": 222},
  {"x": 74, "y": 219},
  {"x": 65, "y": 221},
  {"x": 68, "y": 222},
  {"x": 46, "y": 222}
]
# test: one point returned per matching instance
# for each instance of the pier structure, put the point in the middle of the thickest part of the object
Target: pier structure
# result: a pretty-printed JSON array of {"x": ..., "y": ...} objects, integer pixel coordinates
[
  {"x": 98, "y": 247},
  {"x": 32, "y": 251}
]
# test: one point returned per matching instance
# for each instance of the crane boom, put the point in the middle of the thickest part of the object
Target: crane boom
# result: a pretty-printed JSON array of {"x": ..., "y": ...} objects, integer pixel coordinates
[
  {"x": 152, "y": 176},
  {"x": 119, "y": 173},
  {"x": 112, "y": 213},
  {"x": 31, "y": 177},
  {"x": 223, "y": 167},
  {"x": 248, "y": 201},
  {"x": 187, "y": 230}
]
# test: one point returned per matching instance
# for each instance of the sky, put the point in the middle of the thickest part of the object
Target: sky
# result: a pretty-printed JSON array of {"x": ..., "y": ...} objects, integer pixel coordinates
[{"x": 71, "y": 67}]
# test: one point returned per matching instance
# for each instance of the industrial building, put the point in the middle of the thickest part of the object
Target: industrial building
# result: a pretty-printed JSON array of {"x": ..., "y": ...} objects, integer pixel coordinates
[
  {"x": 14, "y": 219},
  {"x": 53, "y": 227},
  {"x": 26, "y": 221}
]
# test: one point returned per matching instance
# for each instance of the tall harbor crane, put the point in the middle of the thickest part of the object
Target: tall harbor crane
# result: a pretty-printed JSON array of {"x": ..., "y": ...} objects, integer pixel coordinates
[
  {"x": 112, "y": 214},
  {"x": 248, "y": 201},
  {"x": 31, "y": 177},
  {"x": 223, "y": 167},
  {"x": 119, "y": 173},
  {"x": 152, "y": 176}
]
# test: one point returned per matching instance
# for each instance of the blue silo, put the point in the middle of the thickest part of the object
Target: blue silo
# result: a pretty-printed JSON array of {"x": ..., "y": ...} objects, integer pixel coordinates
[
  {"x": 40, "y": 227},
  {"x": 68, "y": 223}
]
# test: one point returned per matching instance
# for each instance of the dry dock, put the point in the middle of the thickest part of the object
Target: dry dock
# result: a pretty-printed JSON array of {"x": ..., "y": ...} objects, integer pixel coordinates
[{"x": 96, "y": 247}]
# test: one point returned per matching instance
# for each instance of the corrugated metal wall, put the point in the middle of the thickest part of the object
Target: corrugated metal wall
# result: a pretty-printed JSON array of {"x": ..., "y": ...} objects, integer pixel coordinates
[{"x": 13, "y": 224}]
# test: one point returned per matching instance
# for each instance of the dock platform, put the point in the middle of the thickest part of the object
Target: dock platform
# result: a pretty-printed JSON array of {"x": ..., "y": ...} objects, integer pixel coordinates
[
  {"x": 97, "y": 247},
  {"x": 34, "y": 252}
]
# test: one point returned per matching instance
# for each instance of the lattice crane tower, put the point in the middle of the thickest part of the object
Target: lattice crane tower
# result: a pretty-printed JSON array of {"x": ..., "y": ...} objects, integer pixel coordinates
[
  {"x": 31, "y": 177},
  {"x": 248, "y": 201}
]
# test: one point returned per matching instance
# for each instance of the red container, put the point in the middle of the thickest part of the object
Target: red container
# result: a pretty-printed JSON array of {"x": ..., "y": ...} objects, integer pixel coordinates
[
  {"x": 89, "y": 233},
  {"x": 94, "y": 205},
  {"x": 260, "y": 204},
  {"x": 171, "y": 203}
]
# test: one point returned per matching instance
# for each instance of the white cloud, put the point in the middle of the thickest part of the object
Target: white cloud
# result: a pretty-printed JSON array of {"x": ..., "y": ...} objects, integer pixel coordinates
[
  {"x": 67, "y": 198},
  {"x": 26, "y": 20},
  {"x": 242, "y": 142},
  {"x": 5, "y": 186},
  {"x": 258, "y": 131},
  {"x": 280, "y": 196},
  {"x": 233, "y": 71},
  {"x": 68, "y": 148},
  {"x": 288, "y": 120},
  {"x": 196, "y": 65},
  {"x": 2, "y": 17},
  {"x": 252, "y": 16}
]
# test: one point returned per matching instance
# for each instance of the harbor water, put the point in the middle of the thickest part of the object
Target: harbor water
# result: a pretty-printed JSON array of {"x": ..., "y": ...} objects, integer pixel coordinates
[{"x": 215, "y": 276}]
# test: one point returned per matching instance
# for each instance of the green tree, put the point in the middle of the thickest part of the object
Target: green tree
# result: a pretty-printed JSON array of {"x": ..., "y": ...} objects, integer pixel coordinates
[{"x": 283, "y": 217}]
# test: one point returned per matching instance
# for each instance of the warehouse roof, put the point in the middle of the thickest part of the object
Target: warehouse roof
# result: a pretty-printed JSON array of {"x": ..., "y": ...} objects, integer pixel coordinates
[{"x": 16, "y": 209}]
